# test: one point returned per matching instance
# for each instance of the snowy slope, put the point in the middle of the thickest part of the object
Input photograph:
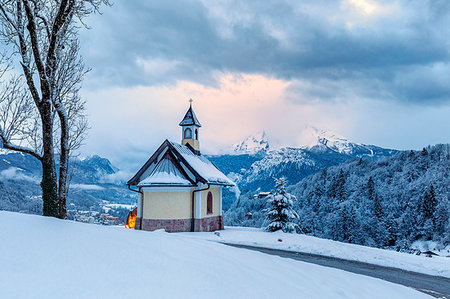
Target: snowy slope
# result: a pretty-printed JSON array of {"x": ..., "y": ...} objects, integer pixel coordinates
[
  {"x": 51, "y": 258},
  {"x": 437, "y": 266}
]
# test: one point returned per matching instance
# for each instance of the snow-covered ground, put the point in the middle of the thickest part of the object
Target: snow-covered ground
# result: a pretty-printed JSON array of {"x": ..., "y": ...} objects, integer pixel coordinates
[
  {"x": 44, "y": 257},
  {"x": 437, "y": 265}
]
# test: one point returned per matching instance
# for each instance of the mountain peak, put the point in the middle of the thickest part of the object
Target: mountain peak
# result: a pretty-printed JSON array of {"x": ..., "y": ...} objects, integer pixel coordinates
[
  {"x": 314, "y": 138},
  {"x": 253, "y": 144}
]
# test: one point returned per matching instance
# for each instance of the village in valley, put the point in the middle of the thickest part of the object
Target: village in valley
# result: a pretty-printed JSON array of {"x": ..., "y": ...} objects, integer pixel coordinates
[{"x": 191, "y": 149}]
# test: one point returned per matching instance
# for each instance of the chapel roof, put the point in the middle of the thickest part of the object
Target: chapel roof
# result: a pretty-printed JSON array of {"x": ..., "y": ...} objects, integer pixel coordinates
[
  {"x": 190, "y": 118},
  {"x": 183, "y": 165},
  {"x": 166, "y": 173}
]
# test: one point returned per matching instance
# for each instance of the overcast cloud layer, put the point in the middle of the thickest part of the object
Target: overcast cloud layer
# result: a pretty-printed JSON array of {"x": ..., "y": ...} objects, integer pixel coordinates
[
  {"x": 377, "y": 71},
  {"x": 391, "y": 50}
]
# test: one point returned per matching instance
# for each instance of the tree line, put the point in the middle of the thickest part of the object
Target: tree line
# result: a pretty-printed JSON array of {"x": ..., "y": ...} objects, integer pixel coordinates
[{"x": 390, "y": 202}]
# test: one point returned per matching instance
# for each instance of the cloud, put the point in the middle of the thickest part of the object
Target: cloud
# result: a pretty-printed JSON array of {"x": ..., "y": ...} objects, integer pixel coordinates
[
  {"x": 119, "y": 177},
  {"x": 87, "y": 187},
  {"x": 243, "y": 104},
  {"x": 360, "y": 44},
  {"x": 266, "y": 65},
  {"x": 16, "y": 174}
]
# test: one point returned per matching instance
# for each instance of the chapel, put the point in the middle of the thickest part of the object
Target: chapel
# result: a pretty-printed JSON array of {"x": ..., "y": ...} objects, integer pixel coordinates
[{"x": 180, "y": 189}]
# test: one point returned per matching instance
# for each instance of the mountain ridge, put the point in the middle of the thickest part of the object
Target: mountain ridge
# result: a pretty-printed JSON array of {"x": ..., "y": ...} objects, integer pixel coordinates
[{"x": 255, "y": 171}]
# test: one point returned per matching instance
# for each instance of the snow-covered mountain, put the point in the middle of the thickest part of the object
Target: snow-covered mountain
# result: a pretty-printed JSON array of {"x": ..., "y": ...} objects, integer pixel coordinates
[
  {"x": 253, "y": 166},
  {"x": 312, "y": 139},
  {"x": 252, "y": 144},
  {"x": 292, "y": 163},
  {"x": 319, "y": 140}
]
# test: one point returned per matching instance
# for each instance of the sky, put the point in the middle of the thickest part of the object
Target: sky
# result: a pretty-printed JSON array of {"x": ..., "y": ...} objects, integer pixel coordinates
[{"x": 376, "y": 72}]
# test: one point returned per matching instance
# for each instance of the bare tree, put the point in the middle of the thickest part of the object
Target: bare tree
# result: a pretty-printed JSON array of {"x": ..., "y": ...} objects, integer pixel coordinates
[{"x": 42, "y": 112}]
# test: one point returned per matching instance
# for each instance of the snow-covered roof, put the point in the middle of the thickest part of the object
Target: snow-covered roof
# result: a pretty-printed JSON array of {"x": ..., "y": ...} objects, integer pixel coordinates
[
  {"x": 182, "y": 168},
  {"x": 190, "y": 118},
  {"x": 165, "y": 173},
  {"x": 203, "y": 166}
]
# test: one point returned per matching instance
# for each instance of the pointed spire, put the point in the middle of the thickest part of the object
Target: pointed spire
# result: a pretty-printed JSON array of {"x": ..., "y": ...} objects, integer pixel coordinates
[{"x": 190, "y": 118}]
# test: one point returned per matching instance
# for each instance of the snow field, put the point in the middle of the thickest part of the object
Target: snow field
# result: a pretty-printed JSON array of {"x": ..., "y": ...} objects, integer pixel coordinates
[
  {"x": 438, "y": 266},
  {"x": 44, "y": 257}
]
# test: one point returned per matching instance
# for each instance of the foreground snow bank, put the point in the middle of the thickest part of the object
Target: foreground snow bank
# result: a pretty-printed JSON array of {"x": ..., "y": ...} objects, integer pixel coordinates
[
  {"x": 438, "y": 266},
  {"x": 49, "y": 258}
]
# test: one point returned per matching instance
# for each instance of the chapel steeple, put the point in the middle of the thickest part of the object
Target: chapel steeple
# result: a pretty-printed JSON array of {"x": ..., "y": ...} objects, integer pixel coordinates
[{"x": 189, "y": 129}]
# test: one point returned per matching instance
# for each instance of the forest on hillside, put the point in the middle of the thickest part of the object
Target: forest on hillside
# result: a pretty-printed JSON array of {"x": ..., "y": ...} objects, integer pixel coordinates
[{"x": 393, "y": 201}]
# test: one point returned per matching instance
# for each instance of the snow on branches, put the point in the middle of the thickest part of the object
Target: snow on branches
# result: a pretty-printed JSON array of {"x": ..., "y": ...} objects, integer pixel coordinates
[{"x": 280, "y": 211}]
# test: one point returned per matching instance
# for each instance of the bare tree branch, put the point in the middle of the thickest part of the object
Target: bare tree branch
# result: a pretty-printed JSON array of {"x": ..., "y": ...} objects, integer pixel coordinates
[
  {"x": 18, "y": 148},
  {"x": 44, "y": 38}
]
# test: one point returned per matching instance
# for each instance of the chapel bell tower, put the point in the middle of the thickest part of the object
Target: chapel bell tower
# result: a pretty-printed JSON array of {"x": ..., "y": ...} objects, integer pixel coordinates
[{"x": 189, "y": 129}]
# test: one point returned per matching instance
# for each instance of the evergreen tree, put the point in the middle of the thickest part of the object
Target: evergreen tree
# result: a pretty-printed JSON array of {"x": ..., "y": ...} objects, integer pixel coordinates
[
  {"x": 424, "y": 152},
  {"x": 344, "y": 227},
  {"x": 441, "y": 217},
  {"x": 340, "y": 190},
  {"x": 370, "y": 189},
  {"x": 392, "y": 231},
  {"x": 429, "y": 204},
  {"x": 351, "y": 226},
  {"x": 323, "y": 175},
  {"x": 377, "y": 208},
  {"x": 280, "y": 211}
]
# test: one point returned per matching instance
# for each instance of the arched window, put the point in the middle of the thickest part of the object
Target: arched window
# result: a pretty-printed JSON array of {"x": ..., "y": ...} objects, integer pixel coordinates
[
  {"x": 209, "y": 203},
  {"x": 196, "y": 134},
  {"x": 188, "y": 134}
]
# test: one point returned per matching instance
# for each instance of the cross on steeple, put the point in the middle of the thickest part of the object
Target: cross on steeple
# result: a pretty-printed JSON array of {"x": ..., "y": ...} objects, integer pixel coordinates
[{"x": 189, "y": 129}]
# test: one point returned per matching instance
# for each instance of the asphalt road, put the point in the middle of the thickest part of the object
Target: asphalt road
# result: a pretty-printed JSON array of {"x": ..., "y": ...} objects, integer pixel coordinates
[{"x": 436, "y": 286}]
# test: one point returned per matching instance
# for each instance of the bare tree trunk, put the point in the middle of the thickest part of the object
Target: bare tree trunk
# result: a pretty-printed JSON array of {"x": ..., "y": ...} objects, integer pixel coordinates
[
  {"x": 63, "y": 164},
  {"x": 48, "y": 183}
]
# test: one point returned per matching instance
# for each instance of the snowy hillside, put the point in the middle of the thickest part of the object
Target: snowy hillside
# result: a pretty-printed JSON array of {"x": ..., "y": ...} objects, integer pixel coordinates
[
  {"x": 392, "y": 202},
  {"x": 52, "y": 258}
]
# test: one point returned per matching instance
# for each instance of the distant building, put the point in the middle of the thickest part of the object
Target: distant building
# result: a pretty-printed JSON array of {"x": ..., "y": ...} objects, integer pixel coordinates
[
  {"x": 180, "y": 189},
  {"x": 262, "y": 195},
  {"x": 107, "y": 219}
]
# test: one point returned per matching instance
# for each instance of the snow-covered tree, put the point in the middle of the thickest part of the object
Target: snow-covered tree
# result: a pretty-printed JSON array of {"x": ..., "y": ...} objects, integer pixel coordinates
[
  {"x": 280, "y": 212},
  {"x": 41, "y": 111}
]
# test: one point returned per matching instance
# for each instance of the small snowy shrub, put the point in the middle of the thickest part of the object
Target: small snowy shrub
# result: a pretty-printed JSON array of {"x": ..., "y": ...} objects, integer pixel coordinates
[{"x": 280, "y": 212}]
